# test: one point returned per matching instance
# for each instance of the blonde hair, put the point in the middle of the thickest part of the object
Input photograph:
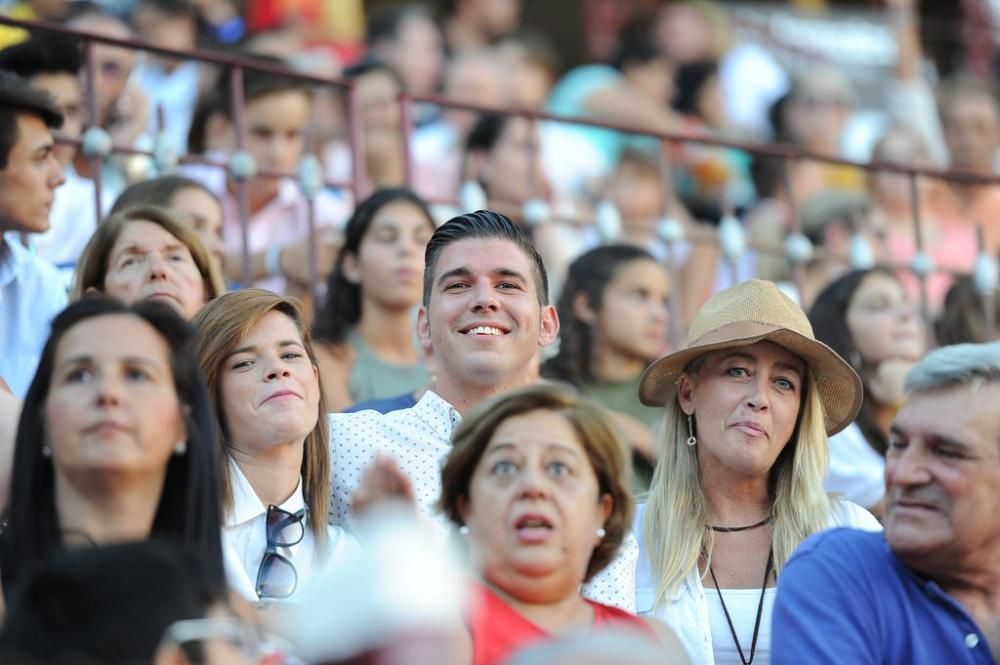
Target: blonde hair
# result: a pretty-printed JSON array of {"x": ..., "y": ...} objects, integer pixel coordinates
[
  {"x": 677, "y": 510},
  {"x": 221, "y": 325}
]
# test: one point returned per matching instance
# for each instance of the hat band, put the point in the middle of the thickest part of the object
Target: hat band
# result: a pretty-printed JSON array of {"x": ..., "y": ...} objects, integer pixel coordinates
[{"x": 741, "y": 330}]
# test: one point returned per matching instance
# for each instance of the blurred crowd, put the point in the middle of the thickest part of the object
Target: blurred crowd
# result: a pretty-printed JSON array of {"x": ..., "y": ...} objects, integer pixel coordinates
[{"x": 364, "y": 351}]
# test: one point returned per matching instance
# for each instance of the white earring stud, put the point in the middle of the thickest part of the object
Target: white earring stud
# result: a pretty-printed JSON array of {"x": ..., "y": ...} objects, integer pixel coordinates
[
  {"x": 601, "y": 532},
  {"x": 180, "y": 448}
]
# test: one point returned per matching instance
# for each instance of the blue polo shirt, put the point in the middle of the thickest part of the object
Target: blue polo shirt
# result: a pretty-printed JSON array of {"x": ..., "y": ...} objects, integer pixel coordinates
[{"x": 844, "y": 597}]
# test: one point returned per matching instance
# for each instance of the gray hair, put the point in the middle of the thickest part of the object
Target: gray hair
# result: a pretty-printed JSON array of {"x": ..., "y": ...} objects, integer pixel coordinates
[{"x": 955, "y": 365}]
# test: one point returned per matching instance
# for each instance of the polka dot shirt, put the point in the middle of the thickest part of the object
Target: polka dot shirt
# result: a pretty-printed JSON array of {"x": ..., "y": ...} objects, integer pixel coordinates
[{"x": 419, "y": 439}]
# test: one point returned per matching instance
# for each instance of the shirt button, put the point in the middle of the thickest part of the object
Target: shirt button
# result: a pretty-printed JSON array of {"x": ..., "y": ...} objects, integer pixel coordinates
[{"x": 972, "y": 640}]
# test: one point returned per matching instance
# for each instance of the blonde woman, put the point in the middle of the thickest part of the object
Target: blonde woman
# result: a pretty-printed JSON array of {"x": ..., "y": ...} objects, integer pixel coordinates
[{"x": 749, "y": 405}]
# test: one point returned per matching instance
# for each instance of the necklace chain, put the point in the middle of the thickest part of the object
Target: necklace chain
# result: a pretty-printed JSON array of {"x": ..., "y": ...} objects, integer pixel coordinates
[
  {"x": 760, "y": 609},
  {"x": 732, "y": 529}
]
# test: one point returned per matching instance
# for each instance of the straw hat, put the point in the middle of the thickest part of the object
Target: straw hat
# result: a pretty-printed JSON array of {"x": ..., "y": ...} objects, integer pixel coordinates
[{"x": 752, "y": 312}]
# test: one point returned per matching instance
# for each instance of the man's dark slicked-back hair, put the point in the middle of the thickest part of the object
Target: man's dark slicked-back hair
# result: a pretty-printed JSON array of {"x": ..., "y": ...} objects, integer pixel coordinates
[
  {"x": 18, "y": 96},
  {"x": 483, "y": 224},
  {"x": 43, "y": 53}
]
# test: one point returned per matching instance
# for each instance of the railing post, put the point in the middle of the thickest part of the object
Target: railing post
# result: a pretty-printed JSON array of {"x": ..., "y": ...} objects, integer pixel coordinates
[{"x": 90, "y": 92}]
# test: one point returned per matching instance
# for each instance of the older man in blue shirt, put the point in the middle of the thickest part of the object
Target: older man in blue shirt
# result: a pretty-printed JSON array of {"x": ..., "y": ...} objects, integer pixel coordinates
[{"x": 927, "y": 591}]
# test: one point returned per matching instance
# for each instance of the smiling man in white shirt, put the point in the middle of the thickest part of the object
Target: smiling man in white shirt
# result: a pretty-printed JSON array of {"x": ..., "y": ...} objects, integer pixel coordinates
[{"x": 484, "y": 317}]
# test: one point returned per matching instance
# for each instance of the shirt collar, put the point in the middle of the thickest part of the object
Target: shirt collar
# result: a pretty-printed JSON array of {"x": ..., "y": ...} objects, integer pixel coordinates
[
  {"x": 247, "y": 505},
  {"x": 13, "y": 256},
  {"x": 431, "y": 407}
]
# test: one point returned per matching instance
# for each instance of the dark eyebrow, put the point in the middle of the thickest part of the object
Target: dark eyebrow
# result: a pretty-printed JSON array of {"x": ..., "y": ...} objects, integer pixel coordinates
[
  {"x": 779, "y": 364},
  {"x": 251, "y": 348},
  {"x": 504, "y": 445},
  {"x": 44, "y": 148},
  {"x": 455, "y": 272},
  {"x": 510, "y": 272},
  {"x": 933, "y": 439},
  {"x": 463, "y": 271},
  {"x": 84, "y": 359}
]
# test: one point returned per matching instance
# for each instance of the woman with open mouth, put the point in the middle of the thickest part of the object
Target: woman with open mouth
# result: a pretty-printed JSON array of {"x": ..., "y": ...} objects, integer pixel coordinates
[{"x": 537, "y": 481}]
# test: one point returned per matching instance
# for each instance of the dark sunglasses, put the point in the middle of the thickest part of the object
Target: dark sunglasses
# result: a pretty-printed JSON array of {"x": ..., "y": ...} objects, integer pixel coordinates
[{"x": 276, "y": 577}]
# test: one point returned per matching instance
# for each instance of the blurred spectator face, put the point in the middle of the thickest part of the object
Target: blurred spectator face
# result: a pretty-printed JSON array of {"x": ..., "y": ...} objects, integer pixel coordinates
[
  {"x": 899, "y": 145},
  {"x": 528, "y": 82},
  {"x": 49, "y": 8},
  {"x": 28, "y": 182},
  {"x": 112, "y": 405},
  {"x": 275, "y": 126},
  {"x": 685, "y": 34},
  {"x": 390, "y": 261},
  {"x": 512, "y": 171},
  {"x": 67, "y": 91},
  {"x": 710, "y": 104},
  {"x": 818, "y": 110},
  {"x": 972, "y": 131},
  {"x": 204, "y": 212},
  {"x": 632, "y": 321},
  {"x": 495, "y": 17},
  {"x": 147, "y": 262},
  {"x": 175, "y": 32},
  {"x": 636, "y": 190},
  {"x": 883, "y": 322},
  {"x": 379, "y": 92},
  {"x": 112, "y": 65},
  {"x": 654, "y": 80},
  {"x": 417, "y": 54},
  {"x": 474, "y": 77}
]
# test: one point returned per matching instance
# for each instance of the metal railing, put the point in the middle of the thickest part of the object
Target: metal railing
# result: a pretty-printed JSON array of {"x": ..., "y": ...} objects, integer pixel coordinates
[{"x": 240, "y": 165}]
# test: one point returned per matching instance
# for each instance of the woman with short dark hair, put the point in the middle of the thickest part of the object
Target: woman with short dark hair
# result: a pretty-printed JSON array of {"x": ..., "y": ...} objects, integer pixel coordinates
[{"x": 537, "y": 480}]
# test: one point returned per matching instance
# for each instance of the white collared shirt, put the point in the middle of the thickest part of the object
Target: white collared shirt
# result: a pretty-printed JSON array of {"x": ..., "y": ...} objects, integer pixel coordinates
[
  {"x": 31, "y": 294},
  {"x": 244, "y": 539},
  {"x": 72, "y": 222},
  {"x": 419, "y": 439},
  {"x": 687, "y": 611}
]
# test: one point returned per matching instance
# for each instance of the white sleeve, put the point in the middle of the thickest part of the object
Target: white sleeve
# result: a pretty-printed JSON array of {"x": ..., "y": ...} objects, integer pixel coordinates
[
  {"x": 845, "y": 513},
  {"x": 856, "y": 471},
  {"x": 615, "y": 585}
]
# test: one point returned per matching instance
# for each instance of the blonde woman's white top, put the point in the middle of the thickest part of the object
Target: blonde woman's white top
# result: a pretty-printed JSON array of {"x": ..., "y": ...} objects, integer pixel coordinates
[
  {"x": 687, "y": 611},
  {"x": 244, "y": 540}
]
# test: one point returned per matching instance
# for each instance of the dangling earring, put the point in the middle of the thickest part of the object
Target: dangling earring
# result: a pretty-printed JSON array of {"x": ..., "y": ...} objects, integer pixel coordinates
[
  {"x": 601, "y": 532},
  {"x": 691, "y": 440},
  {"x": 180, "y": 448}
]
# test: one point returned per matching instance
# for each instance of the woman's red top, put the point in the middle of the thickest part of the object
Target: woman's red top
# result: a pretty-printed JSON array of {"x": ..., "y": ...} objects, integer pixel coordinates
[{"x": 498, "y": 631}]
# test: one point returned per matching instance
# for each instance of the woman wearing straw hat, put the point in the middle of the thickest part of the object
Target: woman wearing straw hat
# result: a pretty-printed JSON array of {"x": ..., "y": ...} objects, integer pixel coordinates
[{"x": 749, "y": 405}]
